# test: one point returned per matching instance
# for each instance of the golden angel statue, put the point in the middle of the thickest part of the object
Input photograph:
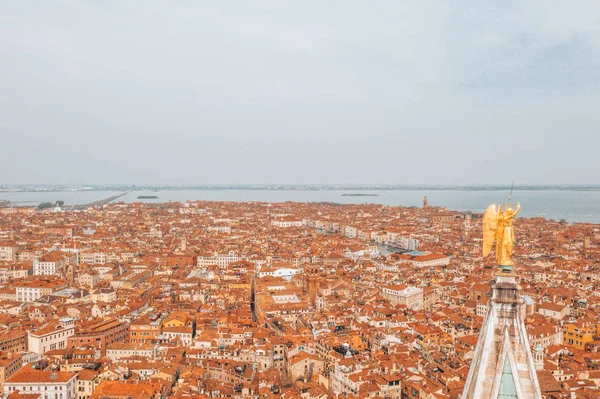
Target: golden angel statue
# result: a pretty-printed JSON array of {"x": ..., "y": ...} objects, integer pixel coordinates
[{"x": 498, "y": 226}]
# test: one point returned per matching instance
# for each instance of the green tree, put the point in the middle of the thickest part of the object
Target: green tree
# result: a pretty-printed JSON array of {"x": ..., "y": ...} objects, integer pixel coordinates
[
  {"x": 60, "y": 203},
  {"x": 45, "y": 205}
]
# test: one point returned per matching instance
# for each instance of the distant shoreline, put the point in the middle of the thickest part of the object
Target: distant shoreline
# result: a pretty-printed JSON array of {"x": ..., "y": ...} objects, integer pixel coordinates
[
  {"x": 573, "y": 206},
  {"x": 283, "y": 187},
  {"x": 359, "y": 195}
]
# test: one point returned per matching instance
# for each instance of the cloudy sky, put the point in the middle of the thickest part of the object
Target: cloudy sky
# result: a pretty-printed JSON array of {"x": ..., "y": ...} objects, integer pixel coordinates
[{"x": 274, "y": 91}]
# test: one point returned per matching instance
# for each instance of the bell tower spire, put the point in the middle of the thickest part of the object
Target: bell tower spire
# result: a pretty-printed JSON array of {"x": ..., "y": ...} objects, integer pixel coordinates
[{"x": 502, "y": 365}]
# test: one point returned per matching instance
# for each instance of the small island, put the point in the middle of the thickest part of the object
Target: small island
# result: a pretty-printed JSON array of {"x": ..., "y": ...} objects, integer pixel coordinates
[
  {"x": 359, "y": 195},
  {"x": 147, "y": 197}
]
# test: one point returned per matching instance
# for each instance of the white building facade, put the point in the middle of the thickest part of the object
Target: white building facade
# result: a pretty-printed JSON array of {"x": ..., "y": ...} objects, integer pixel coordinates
[
  {"x": 52, "y": 336},
  {"x": 411, "y": 297},
  {"x": 47, "y": 384},
  {"x": 221, "y": 260}
]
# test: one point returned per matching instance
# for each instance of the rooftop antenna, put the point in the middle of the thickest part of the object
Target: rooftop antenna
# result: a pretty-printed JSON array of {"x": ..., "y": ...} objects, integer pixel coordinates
[{"x": 511, "y": 191}]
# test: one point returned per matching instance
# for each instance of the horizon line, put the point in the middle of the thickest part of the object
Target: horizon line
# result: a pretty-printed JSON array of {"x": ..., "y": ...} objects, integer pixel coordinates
[{"x": 299, "y": 185}]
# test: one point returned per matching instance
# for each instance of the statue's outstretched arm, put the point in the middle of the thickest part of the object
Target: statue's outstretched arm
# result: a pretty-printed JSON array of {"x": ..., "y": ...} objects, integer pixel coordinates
[{"x": 518, "y": 209}]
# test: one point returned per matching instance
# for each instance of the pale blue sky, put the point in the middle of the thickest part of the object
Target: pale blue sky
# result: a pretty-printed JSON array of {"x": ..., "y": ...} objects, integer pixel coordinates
[{"x": 149, "y": 91}]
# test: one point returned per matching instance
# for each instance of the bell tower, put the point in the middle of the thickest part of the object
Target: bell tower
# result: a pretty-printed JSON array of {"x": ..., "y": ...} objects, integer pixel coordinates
[
  {"x": 538, "y": 357},
  {"x": 502, "y": 365},
  {"x": 312, "y": 281}
]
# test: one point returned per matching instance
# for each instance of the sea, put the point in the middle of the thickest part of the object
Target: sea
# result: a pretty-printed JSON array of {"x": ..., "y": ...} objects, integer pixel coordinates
[{"x": 571, "y": 205}]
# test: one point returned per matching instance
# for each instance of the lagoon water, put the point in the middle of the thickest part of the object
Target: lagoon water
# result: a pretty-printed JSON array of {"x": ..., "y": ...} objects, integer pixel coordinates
[{"x": 572, "y": 205}]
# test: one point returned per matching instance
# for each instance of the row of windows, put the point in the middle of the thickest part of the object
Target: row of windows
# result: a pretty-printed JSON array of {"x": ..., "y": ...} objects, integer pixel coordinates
[
  {"x": 38, "y": 388},
  {"x": 573, "y": 342},
  {"x": 133, "y": 333},
  {"x": 61, "y": 345},
  {"x": 62, "y": 334}
]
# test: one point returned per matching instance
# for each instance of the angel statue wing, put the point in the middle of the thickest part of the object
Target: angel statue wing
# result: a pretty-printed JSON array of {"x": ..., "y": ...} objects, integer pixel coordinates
[{"x": 490, "y": 224}]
